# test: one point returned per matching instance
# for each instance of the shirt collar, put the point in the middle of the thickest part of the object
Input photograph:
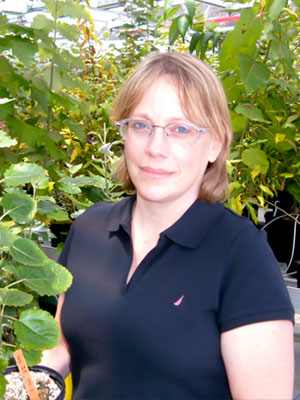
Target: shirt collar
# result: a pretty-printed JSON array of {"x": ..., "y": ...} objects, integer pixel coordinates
[
  {"x": 188, "y": 231},
  {"x": 194, "y": 224},
  {"x": 122, "y": 215}
]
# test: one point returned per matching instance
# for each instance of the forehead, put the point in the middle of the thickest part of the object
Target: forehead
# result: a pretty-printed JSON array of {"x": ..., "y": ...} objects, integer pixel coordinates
[{"x": 161, "y": 97}]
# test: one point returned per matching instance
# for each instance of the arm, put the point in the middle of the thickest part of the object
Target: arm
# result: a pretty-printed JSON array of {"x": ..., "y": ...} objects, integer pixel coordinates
[
  {"x": 259, "y": 360},
  {"x": 58, "y": 358}
]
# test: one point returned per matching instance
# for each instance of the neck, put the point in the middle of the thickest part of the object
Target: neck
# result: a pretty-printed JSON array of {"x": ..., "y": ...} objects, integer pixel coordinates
[{"x": 157, "y": 217}]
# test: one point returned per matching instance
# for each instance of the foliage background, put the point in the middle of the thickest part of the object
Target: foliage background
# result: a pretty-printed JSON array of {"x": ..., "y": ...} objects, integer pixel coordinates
[
  {"x": 58, "y": 148},
  {"x": 55, "y": 99}
]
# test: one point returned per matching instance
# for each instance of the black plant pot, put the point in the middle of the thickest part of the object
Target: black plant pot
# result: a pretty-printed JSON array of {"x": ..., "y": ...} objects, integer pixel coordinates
[{"x": 59, "y": 380}]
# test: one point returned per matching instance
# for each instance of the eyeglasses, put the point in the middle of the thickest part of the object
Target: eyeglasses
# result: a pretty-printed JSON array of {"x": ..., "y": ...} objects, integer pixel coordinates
[{"x": 177, "y": 132}]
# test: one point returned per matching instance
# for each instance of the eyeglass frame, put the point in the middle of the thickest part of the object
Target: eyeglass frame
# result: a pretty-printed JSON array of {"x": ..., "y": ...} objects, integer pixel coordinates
[{"x": 125, "y": 121}]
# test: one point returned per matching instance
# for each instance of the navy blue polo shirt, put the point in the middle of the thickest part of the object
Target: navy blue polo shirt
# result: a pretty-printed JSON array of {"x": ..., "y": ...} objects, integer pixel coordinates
[{"x": 159, "y": 336}]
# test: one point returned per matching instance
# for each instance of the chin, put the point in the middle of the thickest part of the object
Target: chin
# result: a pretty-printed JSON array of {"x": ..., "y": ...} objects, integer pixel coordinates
[{"x": 154, "y": 196}]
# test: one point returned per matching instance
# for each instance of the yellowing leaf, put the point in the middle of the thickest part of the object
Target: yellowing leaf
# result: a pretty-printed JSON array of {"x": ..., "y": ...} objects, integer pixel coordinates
[
  {"x": 267, "y": 190},
  {"x": 90, "y": 17},
  {"x": 287, "y": 175},
  {"x": 261, "y": 200},
  {"x": 279, "y": 137},
  {"x": 254, "y": 173},
  {"x": 235, "y": 205},
  {"x": 234, "y": 185},
  {"x": 74, "y": 155},
  {"x": 51, "y": 186}
]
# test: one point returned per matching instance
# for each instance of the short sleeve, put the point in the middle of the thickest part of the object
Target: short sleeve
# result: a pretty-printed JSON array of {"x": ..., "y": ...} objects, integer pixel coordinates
[{"x": 252, "y": 287}]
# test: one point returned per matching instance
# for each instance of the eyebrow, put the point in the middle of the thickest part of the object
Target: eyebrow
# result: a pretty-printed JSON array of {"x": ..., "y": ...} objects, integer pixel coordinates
[{"x": 172, "y": 119}]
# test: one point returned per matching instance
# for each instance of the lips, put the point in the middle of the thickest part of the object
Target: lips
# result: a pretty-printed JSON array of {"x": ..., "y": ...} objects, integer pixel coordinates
[{"x": 157, "y": 173}]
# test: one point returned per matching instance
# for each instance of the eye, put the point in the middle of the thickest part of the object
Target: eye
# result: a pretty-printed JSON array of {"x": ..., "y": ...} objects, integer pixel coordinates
[
  {"x": 139, "y": 125},
  {"x": 180, "y": 129}
]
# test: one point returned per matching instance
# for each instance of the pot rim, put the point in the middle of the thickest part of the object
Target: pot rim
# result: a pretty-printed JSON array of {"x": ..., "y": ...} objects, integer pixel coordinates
[{"x": 56, "y": 376}]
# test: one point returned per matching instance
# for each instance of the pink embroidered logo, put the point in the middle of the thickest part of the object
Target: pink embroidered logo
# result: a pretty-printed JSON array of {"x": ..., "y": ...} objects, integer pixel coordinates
[{"x": 178, "y": 302}]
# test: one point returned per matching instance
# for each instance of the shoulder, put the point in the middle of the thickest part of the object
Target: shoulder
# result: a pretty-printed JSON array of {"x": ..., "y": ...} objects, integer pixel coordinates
[
  {"x": 236, "y": 222},
  {"x": 225, "y": 224},
  {"x": 107, "y": 213},
  {"x": 239, "y": 227},
  {"x": 97, "y": 221}
]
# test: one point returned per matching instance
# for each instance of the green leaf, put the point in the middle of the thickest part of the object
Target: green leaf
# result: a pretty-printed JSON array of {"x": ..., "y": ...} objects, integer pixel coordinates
[
  {"x": 59, "y": 215},
  {"x": 68, "y": 31},
  {"x": 3, "y": 365},
  {"x": 48, "y": 280},
  {"x": 3, "y": 27},
  {"x": 251, "y": 112},
  {"x": 253, "y": 74},
  {"x": 6, "y": 109},
  {"x": 22, "y": 173},
  {"x": 5, "y": 140},
  {"x": 81, "y": 181},
  {"x": 28, "y": 133},
  {"x": 183, "y": 24},
  {"x": 256, "y": 159},
  {"x": 75, "y": 10},
  {"x": 37, "y": 330},
  {"x": 40, "y": 21},
  {"x": 53, "y": 150},
  {"x": 68, "y": 187},
  {"x": 41, "y": 182},
  {"x": 55, "y": 7},
  {"x": 241, "y": 40},
  {"x": 279, "y": 48},
  {"x": 197, "y": 36},
  {"x": 25, "y": 251},
  {"x": 173, "y": 32},
  {"x": 22, "y": 47},
  {"x": 191, "y": 9},
  {"x": 40, "y": 95},
  {"x": 239, "y": 123},
  {"x": 47, "y": 207},
  {"x": 20, "y": 206},
  {"x": 78, "y": 130},
  {"x": 56, "y": 81},
  {"x": 6, "y": 236},
  {"x": 275, "y": 9},
  {"x": 172, "y": 12},
  {"x": 14, "y": 297},
  {"x": 167, "y": 7},
  {"x": 32, "y": 357},
  {"x": 3, "y": 383}
]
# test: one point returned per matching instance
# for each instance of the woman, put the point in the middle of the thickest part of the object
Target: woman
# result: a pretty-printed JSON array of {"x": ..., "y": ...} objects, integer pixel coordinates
[{"x": 174, "y": 296}]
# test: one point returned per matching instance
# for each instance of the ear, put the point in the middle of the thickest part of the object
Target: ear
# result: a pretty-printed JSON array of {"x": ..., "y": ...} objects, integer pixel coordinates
[{"x": 215, "y": 148}]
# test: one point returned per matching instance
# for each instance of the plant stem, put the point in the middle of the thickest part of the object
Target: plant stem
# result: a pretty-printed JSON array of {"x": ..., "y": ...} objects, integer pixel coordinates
[
  {"x": 51, "y": 77},
  {"x": 9, "y": 317},
  {"x": 9, "y": 345},
  {"x": 14, "y": 283},
  {"x": 283, "y": 211},
  {"x": 1, "y": 326}
]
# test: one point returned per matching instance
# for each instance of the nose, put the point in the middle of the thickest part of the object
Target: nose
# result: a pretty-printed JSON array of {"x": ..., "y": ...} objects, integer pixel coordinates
[{"x": 157, "y": 144}]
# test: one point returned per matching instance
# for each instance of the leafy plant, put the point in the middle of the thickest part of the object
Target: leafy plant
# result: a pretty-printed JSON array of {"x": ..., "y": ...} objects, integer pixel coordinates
[
  {"x": 54, "y": 103},
  {"x": 258, "y": 62},
  {"x": 26, "y": 273}
]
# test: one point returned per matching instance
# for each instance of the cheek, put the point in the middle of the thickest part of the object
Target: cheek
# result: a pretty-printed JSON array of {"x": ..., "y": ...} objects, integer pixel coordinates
[
  {"x": 197, "y": 161},
  {"x": 130, "y": 151}
]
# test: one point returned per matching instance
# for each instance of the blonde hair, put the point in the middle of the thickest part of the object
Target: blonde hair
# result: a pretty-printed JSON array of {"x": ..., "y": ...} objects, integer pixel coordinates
[{"x": 203, "y": 101}]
